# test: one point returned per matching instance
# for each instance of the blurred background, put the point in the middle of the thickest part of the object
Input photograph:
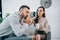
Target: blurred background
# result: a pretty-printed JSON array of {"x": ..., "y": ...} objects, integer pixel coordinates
[{"x": 52, "y": 12}]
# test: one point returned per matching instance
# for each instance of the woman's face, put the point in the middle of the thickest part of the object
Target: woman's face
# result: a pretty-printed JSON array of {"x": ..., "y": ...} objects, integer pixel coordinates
[{"x": 40, "y": 12}]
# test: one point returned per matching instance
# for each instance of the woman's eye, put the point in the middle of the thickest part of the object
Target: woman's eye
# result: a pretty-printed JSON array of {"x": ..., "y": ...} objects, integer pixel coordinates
[{"x": 40, "y": 10}]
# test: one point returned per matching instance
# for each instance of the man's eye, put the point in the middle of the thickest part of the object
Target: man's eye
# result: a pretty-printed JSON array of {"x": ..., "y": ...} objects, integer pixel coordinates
[{"x": 27, "y": 12}]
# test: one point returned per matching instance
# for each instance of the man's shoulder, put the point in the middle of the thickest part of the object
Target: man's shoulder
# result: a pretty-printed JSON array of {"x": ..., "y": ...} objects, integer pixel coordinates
[
  {"x": 12, "y": 16},
  {"x": 45, "y": 19}
]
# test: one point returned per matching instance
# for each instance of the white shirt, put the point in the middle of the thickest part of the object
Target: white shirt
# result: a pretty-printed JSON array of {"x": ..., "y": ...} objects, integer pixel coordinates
[{"x": 11, "y": 24}]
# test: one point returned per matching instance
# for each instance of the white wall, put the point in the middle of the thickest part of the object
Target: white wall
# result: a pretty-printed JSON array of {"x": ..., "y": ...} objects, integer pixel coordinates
[
  {"x": 52, "y": 13},
  {"x": 10, "y": 6}
]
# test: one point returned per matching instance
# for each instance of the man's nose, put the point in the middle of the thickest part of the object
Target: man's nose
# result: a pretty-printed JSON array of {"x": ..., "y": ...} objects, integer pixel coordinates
[{"x": 27, "y": 14}]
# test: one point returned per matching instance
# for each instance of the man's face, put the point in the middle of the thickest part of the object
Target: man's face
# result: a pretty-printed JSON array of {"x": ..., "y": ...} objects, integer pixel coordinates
[{"x": 26, "y": 12}]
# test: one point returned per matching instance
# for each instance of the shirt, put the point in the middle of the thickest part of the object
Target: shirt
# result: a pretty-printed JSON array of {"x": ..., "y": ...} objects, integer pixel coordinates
[
  {"x": 11, "y": 24},
  {"x": 42, "y": 23}
]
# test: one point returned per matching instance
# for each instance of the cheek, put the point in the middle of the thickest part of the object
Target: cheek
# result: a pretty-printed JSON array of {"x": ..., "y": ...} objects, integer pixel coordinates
[
  {"x": 26, "y": 14},
  {"x": 40, "y": 14}
]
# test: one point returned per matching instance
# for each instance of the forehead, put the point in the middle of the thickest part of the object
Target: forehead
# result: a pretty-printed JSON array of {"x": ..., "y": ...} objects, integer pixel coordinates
[
  {"x": 40, "y": 9},
  {"x": 26, "y": 9}
]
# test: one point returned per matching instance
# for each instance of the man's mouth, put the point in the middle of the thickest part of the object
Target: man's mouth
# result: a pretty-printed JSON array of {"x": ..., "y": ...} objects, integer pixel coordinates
[{"x": 25, "y": 16}]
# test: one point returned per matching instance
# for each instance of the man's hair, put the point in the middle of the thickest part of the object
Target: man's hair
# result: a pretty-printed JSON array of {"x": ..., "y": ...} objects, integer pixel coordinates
[{"x": 24, "y": 6}]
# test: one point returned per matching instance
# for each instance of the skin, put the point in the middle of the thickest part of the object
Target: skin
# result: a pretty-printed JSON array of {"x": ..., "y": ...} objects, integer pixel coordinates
[{"x": 37, "y": 37}]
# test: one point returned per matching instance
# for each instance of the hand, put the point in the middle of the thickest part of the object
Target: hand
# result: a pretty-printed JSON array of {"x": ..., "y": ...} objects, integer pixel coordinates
[
  {"x": 21, "y": 15},
  {"x": 27, "y": 20},
  {"x": 40, "y": 26},
  {"x": 21, "y": 23}
]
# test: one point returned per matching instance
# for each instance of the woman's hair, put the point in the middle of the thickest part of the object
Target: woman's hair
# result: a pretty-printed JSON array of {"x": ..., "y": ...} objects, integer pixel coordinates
[{"x": 36, "y": 19}]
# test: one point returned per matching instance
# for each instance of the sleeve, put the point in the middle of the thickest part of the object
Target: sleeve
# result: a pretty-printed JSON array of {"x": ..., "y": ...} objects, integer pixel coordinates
[
  {"x": 17, "y": 27},
  {"x": 45, "y": 26}
]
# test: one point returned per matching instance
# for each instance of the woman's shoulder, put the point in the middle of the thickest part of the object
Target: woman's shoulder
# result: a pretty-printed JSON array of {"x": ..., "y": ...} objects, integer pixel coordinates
[{"x": 44, "y": 18}]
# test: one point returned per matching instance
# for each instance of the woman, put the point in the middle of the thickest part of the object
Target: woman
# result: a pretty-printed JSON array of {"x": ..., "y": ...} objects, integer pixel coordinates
[{"x": 41, "y": 24}]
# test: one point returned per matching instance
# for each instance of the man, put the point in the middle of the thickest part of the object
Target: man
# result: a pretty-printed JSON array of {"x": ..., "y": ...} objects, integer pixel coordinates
[{"x": 13, "y": 22}]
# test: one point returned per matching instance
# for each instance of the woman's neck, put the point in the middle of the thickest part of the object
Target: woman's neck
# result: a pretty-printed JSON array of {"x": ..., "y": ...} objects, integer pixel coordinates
[{"x": 39, "y": 18}]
